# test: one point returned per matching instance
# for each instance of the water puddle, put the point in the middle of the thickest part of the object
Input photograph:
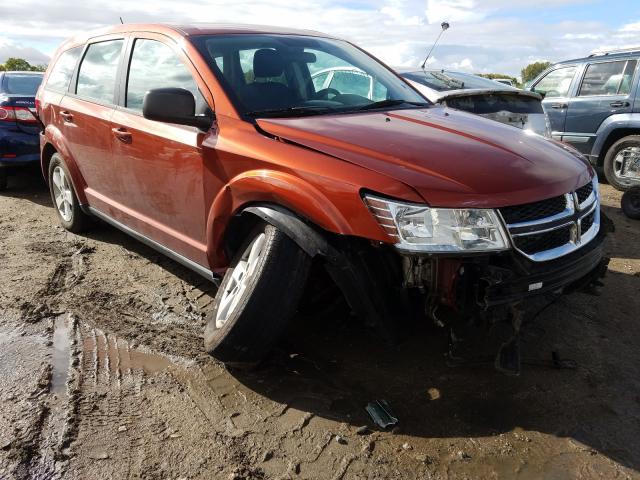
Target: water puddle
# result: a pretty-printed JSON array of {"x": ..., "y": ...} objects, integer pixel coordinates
[
  {"x": 61, "y": 359},
  {"x": 115, "y": 358}
]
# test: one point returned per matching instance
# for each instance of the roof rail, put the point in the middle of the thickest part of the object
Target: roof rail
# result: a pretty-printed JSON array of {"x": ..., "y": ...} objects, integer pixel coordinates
[{"x": 609, "y": 51}]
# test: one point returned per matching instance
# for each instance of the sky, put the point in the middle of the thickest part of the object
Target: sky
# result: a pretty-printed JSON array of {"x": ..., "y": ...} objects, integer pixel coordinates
[{"x": 499, "y": 36}]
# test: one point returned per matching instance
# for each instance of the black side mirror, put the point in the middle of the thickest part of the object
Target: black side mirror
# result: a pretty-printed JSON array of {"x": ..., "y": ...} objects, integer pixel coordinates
[{"x": 173, "y": 105}]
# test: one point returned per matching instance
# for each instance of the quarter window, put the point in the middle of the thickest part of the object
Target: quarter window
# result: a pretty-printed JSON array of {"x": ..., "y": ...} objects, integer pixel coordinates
[
  {"x": 98, "y": 71},
  {"x": 556, "y": 83},
  {"x": 608, "y": 78},
  {"x": 62, "y": 71},
  {"x": 156, "y": 65}
]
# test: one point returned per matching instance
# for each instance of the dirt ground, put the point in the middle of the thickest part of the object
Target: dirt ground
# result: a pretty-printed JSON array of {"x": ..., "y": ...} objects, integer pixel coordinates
[{"x": 102, "y": 375}]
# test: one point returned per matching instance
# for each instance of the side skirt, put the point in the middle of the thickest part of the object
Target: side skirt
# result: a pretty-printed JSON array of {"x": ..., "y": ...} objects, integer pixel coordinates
[{"x": 182, "y": 260}]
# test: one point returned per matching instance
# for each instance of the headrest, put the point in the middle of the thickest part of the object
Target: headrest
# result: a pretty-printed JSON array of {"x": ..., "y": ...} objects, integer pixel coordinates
[{"x": 267, "y": 63}]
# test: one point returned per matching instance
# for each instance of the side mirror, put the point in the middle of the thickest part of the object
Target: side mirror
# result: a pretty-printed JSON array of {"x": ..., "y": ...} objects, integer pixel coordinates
[{"x": 173, "y": 105}]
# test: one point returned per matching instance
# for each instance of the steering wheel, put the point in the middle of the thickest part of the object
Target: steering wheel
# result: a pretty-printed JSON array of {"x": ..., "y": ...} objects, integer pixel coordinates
[{"x": 324, "y": 93}]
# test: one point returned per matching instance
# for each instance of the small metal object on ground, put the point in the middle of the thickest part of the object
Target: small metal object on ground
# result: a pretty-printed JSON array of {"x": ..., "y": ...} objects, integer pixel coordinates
[{"x": 380, "y": 412}]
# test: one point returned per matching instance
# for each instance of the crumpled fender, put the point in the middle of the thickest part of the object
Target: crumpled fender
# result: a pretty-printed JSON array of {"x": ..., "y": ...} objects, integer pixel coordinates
[{"x": 268, "y": 187}]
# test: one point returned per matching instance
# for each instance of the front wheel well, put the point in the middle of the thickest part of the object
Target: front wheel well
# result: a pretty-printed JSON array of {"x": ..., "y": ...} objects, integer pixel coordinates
[
  {"x": 613, "y": 137},
  {"x": 45, "y": 160}
]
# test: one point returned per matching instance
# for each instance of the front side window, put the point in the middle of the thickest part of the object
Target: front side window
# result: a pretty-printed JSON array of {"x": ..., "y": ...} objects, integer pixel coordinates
[
  {"x": 156, "y": 65},
  {"x": 608, "y": 78},
  {"x": 62, "y": 71},
  {"x": 282, "y": 75},
  {"x": 556, "y": 83},
  {"x": 98, "y": 71}
]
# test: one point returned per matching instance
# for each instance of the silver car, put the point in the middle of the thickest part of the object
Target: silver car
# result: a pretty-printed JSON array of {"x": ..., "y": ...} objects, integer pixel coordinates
[{"x": 484, "y": 97}]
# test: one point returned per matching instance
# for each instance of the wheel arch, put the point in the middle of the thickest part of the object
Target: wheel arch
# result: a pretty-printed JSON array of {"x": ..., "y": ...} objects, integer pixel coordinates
[
  {"x": 54, "y": 143},
  {"x": 299, "y": 209},
  {"x": 613, "y": 129}
]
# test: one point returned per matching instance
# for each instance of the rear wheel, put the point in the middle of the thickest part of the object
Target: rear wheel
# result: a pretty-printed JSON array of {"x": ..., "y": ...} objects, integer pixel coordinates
[
  {"x": 624, "y": 150},
  {"x": 631, "y": 203},
  {"x": 3, "y": 179},
  {"x": 64, "y": 197},
  {"x": 257, "y": 297}
]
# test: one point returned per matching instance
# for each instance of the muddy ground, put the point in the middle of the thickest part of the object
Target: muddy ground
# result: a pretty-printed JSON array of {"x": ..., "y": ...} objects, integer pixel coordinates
[{"x": 102, "y": 375}]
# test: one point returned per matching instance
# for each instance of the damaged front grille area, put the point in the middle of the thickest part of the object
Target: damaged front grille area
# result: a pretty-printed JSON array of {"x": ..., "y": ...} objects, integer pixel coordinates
[{"x": 551, "y": 228}]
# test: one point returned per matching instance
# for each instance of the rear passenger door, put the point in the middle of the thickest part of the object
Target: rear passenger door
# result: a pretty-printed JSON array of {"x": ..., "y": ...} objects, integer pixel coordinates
[
  {"x": 158, "y": 167},
  {"x": 85, "y": 117},
  {"x": 604, "y": 90}
]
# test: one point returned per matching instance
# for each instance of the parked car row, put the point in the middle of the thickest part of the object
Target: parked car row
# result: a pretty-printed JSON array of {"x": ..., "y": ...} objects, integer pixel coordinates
[{"x": 264, "y": 154}]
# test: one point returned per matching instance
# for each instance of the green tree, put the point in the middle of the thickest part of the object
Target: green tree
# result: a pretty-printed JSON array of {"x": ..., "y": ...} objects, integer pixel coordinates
[
  {"x": 493, "y": 76},
  {"x": 532, "y": 70},
  {"x": 17, "y": 64}
]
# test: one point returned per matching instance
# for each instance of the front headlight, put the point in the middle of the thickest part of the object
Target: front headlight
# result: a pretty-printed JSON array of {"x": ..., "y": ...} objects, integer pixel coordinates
[{"x": 424, "y": 229}]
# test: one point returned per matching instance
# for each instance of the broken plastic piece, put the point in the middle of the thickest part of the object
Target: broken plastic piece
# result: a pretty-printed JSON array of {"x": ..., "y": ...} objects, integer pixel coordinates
[{"x": 380, "y": 412}]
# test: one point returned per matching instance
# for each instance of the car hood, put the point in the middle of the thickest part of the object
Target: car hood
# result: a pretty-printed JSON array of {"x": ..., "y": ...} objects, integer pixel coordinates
[
  {"x": 451, "y": 158},
  {"x": 470, "y": 92}
]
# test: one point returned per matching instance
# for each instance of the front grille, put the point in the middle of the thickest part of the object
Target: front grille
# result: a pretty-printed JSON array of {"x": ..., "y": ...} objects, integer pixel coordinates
[
  {"x": 554, "y": 227},
  {"x": 584, "y": 192},
  {"x": 587, "y": 222},
  {"x": 534, "y": 211},
  {"x": 540, "y": 242}
]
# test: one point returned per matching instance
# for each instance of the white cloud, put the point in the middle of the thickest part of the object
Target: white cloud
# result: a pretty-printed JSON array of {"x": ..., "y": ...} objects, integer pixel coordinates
[{"x": 399, "y": 32}]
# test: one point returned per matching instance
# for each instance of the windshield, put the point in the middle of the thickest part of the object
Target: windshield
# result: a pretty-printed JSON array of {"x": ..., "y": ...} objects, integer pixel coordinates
[
  {"x": 444, "y": 80},
  {"x": 286, "y": 75},
  {"x": 21, "y": 84}
]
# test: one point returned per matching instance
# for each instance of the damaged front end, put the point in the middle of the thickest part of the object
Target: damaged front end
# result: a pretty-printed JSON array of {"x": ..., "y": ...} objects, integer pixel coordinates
[{"x": 553, "y": 247}]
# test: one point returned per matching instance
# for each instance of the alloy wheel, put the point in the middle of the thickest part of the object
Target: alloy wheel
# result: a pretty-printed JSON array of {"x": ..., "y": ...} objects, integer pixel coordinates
[
  {"x": 62, "y": 193},
  {"x": 240, "y": 276}
]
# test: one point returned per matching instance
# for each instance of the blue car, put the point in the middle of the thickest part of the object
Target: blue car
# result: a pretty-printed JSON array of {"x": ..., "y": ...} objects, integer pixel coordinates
[{"x": 19, "y": 128}]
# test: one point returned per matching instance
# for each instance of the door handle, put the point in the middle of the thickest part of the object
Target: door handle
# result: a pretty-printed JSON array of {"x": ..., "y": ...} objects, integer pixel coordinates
[
  {"x": 122, "y": 134},
  {"x": 66, "y": 116},
  {"x": 619, "y": 104},
  {"x": 559, "y": 106}
]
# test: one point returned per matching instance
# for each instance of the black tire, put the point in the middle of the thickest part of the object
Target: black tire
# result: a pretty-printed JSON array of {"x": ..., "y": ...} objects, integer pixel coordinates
[
  {"x": 631, "y": 203},
  {"x": 78, "y": 221},
  {"x": 3, "y": 179},
  {"x": 609, "y": 162},
  {"x": 269, "y": 301}
]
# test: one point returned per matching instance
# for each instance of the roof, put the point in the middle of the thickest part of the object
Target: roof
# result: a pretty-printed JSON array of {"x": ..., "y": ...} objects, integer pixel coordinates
[
  {"x": 609, "y": 56},
  {"x": 184, "y": 30}
]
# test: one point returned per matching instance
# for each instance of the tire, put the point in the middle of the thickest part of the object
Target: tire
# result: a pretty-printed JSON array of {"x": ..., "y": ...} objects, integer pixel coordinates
[
  {"x": 241, "y": 335},
  {"x": 3, "y": 179},
  {"x": 612, "y": 162},
  {"x": 631, "y": 203},
  {"x": 66, "y": 205}
]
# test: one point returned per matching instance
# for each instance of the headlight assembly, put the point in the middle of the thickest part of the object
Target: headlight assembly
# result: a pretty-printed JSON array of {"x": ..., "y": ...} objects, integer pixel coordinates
[{"x": 421, "y": 228}]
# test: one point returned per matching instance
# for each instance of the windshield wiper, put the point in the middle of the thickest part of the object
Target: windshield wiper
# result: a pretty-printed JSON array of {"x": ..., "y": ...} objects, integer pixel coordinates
[
  {"x": 290, "y": 111},
  {"x": 391, "y": 103}
]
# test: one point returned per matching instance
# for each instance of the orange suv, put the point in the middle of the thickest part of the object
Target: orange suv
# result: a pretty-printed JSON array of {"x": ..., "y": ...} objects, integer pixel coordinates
[{"x": 218, "y": 146}]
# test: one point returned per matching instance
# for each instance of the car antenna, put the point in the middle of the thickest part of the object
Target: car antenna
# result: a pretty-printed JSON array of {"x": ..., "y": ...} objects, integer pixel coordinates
[
  {"x": 121, "y": 21},
  {"x": 445, "y": 26}
]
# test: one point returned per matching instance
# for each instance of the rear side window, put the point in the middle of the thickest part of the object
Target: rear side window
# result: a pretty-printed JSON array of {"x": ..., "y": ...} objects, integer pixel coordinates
[
  {"x": 348, "y": 82},
  {"x": 608, "y": 78},
  {"x": 98, "y": 71},
  {"x": 155, "y": 65},
  {"x": 62, "y": 71},
  {"x": 556, "y": 83},
  {"x": 21, "y": 84}
]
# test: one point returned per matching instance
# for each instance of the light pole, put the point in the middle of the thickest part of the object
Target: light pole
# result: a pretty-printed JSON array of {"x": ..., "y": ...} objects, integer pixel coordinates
[{"x": 445, "y": 26}]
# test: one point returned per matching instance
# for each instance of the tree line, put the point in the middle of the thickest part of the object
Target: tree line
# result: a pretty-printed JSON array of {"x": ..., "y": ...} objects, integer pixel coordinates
[
  {"x": 20, "y": 65},
  {"x": 528, "y": 73}
]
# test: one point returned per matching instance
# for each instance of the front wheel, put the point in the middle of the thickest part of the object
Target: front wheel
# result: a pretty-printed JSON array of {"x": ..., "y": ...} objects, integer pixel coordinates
[
  {"x": 257, "y": 297},
  {"x": 626, "y": 149},
  {"x": 3, "y": 179}
]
